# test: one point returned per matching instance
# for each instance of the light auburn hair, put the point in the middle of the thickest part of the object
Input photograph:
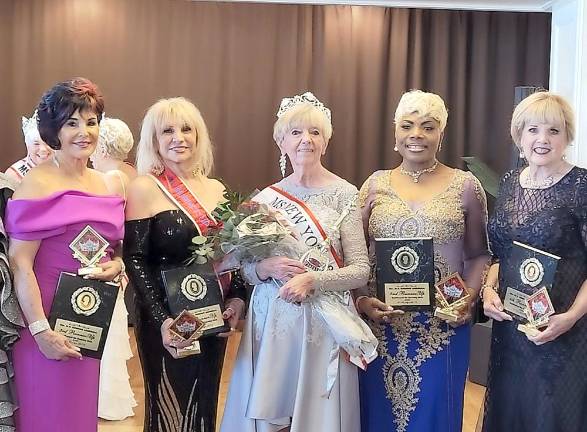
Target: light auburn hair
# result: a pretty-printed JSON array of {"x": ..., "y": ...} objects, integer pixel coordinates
[
  {"x": 163, "y": 112},
  {"x": 304, "y": 114},
  {"x": 543, "y": 107},
  {"x": 424, "y": 104}
]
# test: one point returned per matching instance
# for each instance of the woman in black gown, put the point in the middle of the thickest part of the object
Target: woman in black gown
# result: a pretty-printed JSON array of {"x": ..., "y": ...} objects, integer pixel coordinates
[
  {"x": 538, "y": 383},
  {"x": 169, "y": 204}
]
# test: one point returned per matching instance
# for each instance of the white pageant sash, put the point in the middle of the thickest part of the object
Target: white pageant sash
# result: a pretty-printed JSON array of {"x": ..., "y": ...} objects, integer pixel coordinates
[{"x": 300, "y": 216}]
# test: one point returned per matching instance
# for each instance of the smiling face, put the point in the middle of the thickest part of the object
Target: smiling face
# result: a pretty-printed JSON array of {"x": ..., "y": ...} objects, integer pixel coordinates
[
  {"x": 79, "y": 134},
  {"x": 37, "y": 149},
  {"x": 417, "y": 138},
  {"x": 304, "y": 145},
  {"x": 177, "y": 141},
  {"x": 543, "y": 144}
]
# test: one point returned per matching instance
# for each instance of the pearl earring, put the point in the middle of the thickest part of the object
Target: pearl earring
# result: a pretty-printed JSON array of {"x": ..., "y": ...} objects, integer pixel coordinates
[{"x": 395, "y": 148}]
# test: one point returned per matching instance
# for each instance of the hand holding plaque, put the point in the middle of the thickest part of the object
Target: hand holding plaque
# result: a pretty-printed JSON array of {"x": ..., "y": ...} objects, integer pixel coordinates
[
  {"x": 453, "y": 296},
  {"x": 82, "y": 308}
]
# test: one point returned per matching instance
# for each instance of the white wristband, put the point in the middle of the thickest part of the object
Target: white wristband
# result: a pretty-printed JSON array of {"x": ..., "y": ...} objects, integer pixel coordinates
[{"x": 39, "y": 326}]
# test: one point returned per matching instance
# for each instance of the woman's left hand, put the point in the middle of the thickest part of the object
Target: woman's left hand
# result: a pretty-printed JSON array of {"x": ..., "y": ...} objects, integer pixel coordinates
[
  {"x": 298, "y": 288},
  {"x": 557, "y": 325},
  {"x": 110, "y": 270},
  {"x": 464, "y": 315},
  {"x": 234, "y": 309}
]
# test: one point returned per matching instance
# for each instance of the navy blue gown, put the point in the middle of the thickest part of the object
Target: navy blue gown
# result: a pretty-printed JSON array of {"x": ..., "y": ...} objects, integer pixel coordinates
[{"x": 541, "y": 388}]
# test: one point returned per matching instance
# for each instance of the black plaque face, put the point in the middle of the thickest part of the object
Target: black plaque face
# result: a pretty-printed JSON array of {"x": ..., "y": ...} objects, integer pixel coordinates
[
  {"x": 195, "y": 288},
  {"x": 82, "y": 310},
  {"x": 526, "y": 272},
  {"x": 405, "y": 273}
]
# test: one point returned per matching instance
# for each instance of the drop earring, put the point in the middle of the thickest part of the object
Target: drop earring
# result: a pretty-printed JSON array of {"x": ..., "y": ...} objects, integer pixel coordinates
[{"x": 282, "y": 162}]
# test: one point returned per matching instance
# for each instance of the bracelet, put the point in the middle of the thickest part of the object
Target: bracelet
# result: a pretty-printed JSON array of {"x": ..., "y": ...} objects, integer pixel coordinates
[
  {"x": 483, "y": 287},
  {"x": 39, "y": 326}
]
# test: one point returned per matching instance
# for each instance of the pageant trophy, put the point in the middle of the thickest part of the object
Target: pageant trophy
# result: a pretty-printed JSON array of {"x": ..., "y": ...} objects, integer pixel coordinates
[
  {"x": 82, "y": 308},
  {"x": 452, "y": 295},
  {"x": 527, "y": 276},
  {"x": 538, "y": 310},
  {"x": 187, "y": 326},
  {"x": 405, "y": 273},
  {"x": 88, "y": 248}
]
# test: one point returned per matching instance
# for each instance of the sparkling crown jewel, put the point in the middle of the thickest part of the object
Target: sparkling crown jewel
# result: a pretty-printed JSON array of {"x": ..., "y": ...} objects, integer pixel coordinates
[
  {"x": 29, "y": 125},
  {"x": 308, "y": 97}
]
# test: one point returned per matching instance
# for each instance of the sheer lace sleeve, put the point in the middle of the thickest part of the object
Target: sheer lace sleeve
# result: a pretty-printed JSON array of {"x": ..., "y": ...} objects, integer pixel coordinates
[
  {"x": 475, "y": 252},
  {"x": 136, "y": 247},
  {"x": 355, "y": 271},
  {"x": 581, "y": 207}
]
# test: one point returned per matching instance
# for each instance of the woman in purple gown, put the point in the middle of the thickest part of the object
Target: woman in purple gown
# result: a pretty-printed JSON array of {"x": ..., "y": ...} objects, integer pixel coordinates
[{"x": 50, "y": 208}]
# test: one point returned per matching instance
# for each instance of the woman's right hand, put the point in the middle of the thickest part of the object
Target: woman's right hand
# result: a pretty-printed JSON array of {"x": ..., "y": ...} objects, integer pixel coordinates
[
  {"x": 55, "y": 346},
  {"x": 376, "y": 310},
  {"x": 280, "y": 268},
  {"x": 492, "y": 305},
  {"x": 172, "y": 342}
]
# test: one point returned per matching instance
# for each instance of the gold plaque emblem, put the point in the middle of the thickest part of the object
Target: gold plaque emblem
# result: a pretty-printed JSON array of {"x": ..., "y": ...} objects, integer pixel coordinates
[
  {"x": 531, "y": 272},
  {"x": 85, "y": 301},
  {"x": 405, "y": 260},
  {"x": 194, "y": 287}
]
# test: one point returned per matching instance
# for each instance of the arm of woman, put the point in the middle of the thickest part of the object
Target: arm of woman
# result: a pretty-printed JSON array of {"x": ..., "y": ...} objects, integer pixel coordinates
[
  {"x": 53, "y": 345},
  {"x": 136, "y": 249},
  {"x": 563, "y": 322},
  {"x": 353, "y": 274}
]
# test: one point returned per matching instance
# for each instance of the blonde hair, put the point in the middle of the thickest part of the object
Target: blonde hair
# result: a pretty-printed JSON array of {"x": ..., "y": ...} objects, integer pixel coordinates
[
  {"x": 424, "y": 104},
  {"x": 164, "y": 111},
  {"x": 303, "y": 114},
  {"x": 543, "y": 107},
  {"x": 115, "y": 138}
]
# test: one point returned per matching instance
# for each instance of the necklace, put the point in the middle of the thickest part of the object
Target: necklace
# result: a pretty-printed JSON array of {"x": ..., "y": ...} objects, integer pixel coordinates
[
  {"x": 416, "y": 174},
  {"x": 546, "y": 182}
]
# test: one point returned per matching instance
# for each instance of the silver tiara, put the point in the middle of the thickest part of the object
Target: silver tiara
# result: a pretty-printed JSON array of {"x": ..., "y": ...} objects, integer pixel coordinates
[
  {"x": 308, "y": 97},
  {"x": 29, "y": 125}
]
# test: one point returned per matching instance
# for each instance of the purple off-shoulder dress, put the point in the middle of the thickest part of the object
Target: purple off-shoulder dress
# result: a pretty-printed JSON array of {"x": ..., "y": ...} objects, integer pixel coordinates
[{"x": 57, "y": 396}]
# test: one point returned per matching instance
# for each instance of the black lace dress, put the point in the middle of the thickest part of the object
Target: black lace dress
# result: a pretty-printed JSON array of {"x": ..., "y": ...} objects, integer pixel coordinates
[
  {"x": 541, "y": 388},
  {"x": 181, "y": 395}
]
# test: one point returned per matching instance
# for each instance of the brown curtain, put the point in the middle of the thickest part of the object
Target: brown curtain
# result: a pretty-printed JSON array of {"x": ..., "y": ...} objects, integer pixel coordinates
[{"x": 236, "y": 61}]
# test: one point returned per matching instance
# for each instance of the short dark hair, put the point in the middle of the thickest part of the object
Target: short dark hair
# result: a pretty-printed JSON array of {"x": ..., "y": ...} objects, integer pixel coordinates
[{"x": 60, "y": 102}]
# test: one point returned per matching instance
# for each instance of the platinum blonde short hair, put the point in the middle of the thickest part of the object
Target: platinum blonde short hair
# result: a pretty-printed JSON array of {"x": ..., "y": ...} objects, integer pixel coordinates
[
  {"x": 164, "y": 111},
  {"x": 543, "y": 107},
  {"x": 303, "y": 114},
  {"x": 424, "y": 104},
  {"x": 115, "y": 138}
]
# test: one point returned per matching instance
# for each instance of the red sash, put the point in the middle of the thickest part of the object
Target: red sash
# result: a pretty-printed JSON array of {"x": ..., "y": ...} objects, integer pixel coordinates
[{"x": 185, "y": 200}]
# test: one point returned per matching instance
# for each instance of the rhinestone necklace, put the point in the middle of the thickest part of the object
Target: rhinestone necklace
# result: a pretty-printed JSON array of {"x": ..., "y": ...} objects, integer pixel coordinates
[{"x": 416, "y": 174}]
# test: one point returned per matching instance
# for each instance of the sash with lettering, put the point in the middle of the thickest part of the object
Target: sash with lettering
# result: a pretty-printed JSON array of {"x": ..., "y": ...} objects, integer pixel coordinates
[
  {"x": 22, "y": 167},
  {"x": 333, "y": 307},
  {"x": 203, "y": 294},
  {"x": 300, "y": 216}
]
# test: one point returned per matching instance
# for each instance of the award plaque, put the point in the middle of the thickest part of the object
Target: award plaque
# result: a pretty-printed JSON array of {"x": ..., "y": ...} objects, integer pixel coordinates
[
  {"x": 405, "y": 273},
  {"x": 527, "y": 271},
  {"x": 195, "y": 288},
  {"x": 82, "y": 310},
  {"x": 88, "y": 248},
  {"x": 538, "y": 310},
  {"x": 452, "y": 295}
]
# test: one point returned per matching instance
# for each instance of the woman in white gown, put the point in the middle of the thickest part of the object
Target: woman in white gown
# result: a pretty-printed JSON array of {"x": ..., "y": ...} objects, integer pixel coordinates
[
  {"x": 290, "y": 374},
  {"x": 116, "y": 399}
]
